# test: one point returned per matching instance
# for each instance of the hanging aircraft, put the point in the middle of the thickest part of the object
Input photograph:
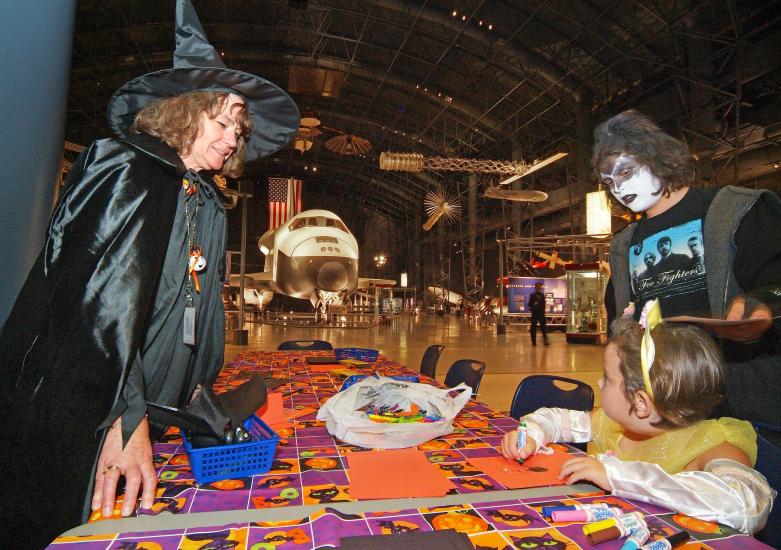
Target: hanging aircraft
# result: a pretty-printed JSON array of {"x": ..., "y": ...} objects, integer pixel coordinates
[
  {"x": 311, "y": 256},
  {"x": 517, "y": 195}
]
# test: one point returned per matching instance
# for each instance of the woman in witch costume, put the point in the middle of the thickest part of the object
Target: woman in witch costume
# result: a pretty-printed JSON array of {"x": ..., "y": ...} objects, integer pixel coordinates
[{"x": 124, "y": 304}]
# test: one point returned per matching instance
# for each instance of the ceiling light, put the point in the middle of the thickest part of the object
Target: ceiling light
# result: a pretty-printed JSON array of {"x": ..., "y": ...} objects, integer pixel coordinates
[{"x": 454, "y": 13}]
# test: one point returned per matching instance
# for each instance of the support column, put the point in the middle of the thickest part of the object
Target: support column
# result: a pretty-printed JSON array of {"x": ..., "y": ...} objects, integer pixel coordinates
[
  {"x": 582, "y": 149},
  {"x": 417, "y": 246},
  {"x": 700, "y": 106},
  {"x": 471, "y": 218},
  {"x": 516, "y": 207},
  {"x": 36, "y": 42}
]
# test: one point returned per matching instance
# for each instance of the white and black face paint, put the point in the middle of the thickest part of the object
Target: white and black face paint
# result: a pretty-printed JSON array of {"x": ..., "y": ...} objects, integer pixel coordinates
[{"x": 631, "y": 183}]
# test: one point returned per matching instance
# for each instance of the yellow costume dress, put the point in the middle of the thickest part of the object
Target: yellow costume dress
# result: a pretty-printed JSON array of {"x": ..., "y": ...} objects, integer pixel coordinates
[{"x": 674, "y": 449}]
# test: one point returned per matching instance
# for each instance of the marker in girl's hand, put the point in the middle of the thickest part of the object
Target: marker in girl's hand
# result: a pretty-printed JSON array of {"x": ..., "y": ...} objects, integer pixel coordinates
[{"x": 521, "y": 439}]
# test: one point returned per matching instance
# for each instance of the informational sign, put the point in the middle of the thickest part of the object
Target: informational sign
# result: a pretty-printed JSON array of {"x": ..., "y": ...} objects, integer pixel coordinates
[{"x": 520, "y": 288}]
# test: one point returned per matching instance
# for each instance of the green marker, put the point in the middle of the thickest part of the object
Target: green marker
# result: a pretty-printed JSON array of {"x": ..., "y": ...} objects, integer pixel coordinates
[{"x": 521, "y": 439}]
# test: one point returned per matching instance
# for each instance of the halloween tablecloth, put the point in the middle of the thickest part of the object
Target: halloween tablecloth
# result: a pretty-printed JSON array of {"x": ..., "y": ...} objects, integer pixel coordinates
[{"x": 310, "y": 468}]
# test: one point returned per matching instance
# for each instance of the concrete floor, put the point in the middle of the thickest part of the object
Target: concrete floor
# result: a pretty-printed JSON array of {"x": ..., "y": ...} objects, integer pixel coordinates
[{"x": 509, "y": 357}]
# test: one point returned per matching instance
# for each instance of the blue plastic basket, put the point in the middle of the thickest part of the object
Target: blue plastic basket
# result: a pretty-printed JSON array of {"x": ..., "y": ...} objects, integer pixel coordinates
[
  {"x": 358, "y": 377},
  {"x": 361, "y": 354},
  {"x": 237, "y": 460}
]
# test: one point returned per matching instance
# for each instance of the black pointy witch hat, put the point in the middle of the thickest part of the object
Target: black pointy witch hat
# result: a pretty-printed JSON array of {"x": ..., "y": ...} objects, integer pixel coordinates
[
  {"x": 199, "y": 67},
  {"x": 209, "y": 415}
]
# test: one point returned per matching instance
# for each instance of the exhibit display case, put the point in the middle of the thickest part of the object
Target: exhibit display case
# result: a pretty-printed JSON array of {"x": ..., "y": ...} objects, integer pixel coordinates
[{"x": 586, "y": 314}]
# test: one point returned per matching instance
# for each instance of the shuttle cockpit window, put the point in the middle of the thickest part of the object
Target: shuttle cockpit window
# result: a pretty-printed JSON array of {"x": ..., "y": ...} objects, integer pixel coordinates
[
  {"x": 298, "y": 224},
  {"x": 330, "y": 222},
  {"x": 312, "y": 222}
]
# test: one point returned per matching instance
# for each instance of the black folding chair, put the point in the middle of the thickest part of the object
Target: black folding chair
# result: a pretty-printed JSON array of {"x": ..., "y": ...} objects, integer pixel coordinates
[
  {"x": 304, "y": 345},
  {"x": 428, "y": 365},
  {"x": 544, "y": 390},
  {"x": 469, "y": 371}
]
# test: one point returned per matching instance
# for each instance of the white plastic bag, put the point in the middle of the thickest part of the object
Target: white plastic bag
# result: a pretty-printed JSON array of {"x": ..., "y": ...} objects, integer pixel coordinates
[{"x": 345, "y": 422}]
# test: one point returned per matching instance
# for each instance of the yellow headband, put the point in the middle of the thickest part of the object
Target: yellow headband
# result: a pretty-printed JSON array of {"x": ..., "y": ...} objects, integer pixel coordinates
[{"x": 650, "y": 317}]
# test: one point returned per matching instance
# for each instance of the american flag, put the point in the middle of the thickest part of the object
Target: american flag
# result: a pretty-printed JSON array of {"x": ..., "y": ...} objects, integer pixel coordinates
[{"x": 284, "y": 200}]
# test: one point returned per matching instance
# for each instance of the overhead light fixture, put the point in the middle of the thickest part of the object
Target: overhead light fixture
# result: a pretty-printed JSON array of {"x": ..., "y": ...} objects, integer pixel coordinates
[{"x": 597, "y": 214}]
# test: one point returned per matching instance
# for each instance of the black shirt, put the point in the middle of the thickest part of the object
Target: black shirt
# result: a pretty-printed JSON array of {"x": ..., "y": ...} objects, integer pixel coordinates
[{"x": 666, "y": 257}]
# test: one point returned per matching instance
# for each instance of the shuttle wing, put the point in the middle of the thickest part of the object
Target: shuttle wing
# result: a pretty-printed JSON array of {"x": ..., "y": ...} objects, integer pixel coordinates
[
  {"x": 371, "y": 283},
  {"x": 259, "y": 281}
]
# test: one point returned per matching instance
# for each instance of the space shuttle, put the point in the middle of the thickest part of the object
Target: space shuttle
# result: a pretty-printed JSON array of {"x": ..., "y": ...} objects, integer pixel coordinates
[{"x": 312, "y": 256}]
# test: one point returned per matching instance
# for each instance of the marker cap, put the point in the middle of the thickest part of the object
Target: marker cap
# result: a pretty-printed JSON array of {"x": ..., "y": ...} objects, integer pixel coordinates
[
  {"x": 599, "y": 525},
  {"x": 569, "y": 515},
  {"x": 678, "y": 538},
  {"x": 548, "y": 510},
  {"x": 604, "y": 535}
]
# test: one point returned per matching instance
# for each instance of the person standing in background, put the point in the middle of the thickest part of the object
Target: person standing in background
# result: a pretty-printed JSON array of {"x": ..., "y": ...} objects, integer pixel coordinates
[{"x": 537, "y": 308}]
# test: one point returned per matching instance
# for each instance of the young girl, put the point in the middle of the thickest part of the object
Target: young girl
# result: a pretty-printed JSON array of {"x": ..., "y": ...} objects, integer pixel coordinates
[{"x": 650, "y": 441}]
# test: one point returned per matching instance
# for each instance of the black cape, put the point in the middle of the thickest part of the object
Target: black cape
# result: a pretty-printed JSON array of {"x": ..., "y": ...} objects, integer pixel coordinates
[{"x": 78, "y": 325}]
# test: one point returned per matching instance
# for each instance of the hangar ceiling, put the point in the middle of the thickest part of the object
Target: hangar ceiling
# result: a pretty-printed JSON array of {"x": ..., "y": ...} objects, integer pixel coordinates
[{"x": 487, "y": 79}]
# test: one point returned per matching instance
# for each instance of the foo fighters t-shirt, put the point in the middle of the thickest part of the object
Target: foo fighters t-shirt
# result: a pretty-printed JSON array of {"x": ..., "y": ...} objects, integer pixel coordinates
[{"x": 667, "y": 257}]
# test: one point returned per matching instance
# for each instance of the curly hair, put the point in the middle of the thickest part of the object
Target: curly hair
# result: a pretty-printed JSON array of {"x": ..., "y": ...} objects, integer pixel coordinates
[
  {"x": 632, "y": 133},
  {"x": 176, "y": 121},
  {"x": 687, "y": 376}
]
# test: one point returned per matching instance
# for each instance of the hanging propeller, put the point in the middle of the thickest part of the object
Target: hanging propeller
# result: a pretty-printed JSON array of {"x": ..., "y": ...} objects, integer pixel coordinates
[{"x": 440, "y": 204}]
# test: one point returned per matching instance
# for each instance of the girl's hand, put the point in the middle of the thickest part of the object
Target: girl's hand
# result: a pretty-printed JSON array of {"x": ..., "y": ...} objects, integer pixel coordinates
[
  {"x": 510, "y": 446},
  {"x": 585, "y": 468}
]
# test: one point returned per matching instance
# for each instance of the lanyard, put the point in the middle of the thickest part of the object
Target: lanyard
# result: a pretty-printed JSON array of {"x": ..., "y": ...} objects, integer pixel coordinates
[{"x": 196, "y": 262}]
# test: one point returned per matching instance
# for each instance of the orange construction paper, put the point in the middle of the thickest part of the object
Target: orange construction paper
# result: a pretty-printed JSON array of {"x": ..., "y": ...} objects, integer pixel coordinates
[
  {"x": 325, "y": 368},
  {"x": 396, "y": 473},
  {"x": 537, "y": 471},
  {"x": 272, "y": 412},
  {"x": 284, "y": 425}
]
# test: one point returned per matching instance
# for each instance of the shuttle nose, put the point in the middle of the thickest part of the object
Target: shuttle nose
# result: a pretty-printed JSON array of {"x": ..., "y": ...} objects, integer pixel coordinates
[{"x": 332, "y": 276}]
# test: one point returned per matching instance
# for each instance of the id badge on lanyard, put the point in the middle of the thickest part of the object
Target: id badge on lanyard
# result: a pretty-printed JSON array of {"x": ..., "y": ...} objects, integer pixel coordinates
[{"x": 188, "y": 326}]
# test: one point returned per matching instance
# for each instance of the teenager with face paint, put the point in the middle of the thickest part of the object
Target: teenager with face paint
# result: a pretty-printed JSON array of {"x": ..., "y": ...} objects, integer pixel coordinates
[{"x": 737, "y": 268}]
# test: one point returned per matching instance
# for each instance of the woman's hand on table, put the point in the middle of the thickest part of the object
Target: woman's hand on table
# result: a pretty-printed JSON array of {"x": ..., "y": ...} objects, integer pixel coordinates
[
  {"x": 510, "y": 449},
  {"x": 585, "y": 468},
  {"x": 134, "y": 462}
]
